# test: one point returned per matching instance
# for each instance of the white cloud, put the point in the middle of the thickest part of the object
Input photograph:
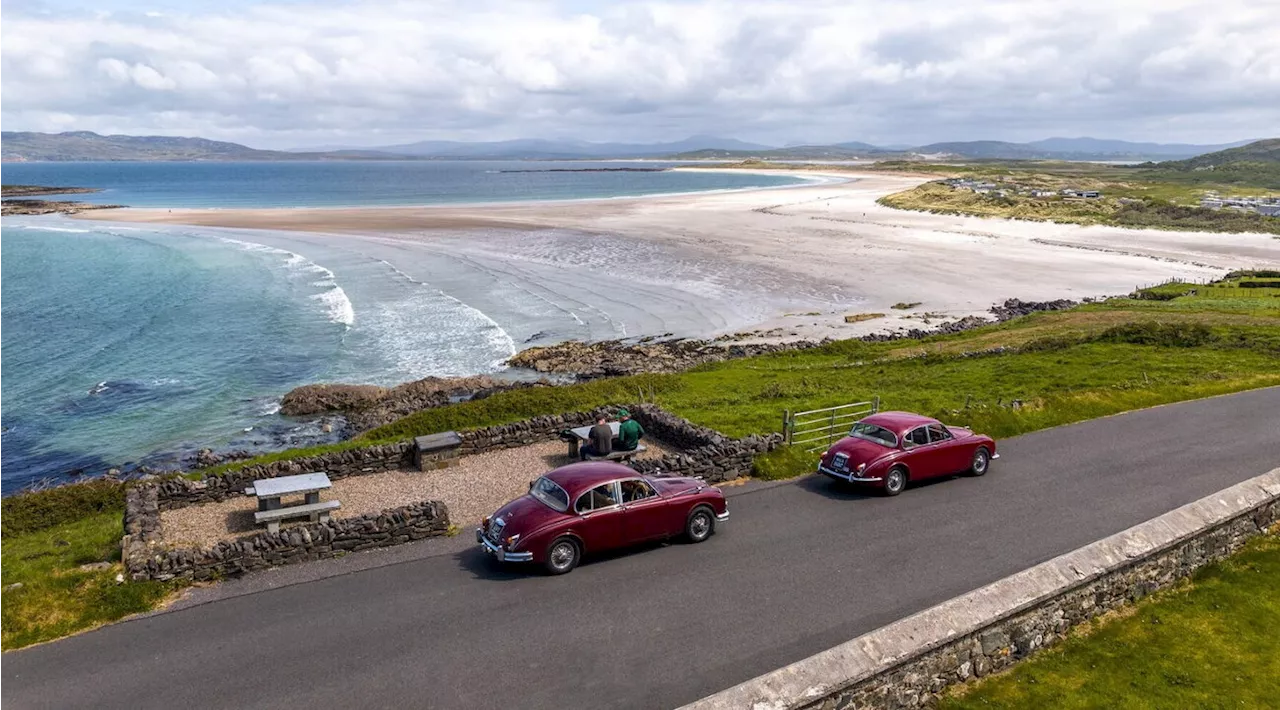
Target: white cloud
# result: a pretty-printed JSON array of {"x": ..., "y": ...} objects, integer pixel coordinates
[{"x": 291, "y": 73}]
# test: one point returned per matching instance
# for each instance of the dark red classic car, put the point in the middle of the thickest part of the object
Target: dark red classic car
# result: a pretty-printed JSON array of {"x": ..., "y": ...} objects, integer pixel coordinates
[
  {"x": 591, "y": 507},
  {"x": 891, "y": 448}
]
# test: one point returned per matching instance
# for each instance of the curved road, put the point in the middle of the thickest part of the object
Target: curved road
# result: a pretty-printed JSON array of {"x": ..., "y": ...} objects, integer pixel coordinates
[{"x": 800, "y": 567}]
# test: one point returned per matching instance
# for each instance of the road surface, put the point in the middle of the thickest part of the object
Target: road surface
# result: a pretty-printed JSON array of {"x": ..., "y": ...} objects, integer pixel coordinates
[{"x": 800, "y": 567}]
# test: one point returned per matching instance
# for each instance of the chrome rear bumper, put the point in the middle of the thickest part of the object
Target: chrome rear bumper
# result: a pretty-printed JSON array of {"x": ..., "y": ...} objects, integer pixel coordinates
[
  {"x": 847, "y": 476},
  {"x": 501, "y": 554}
]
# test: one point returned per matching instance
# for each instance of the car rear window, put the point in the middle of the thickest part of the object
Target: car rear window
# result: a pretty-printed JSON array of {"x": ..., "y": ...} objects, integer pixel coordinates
[
  {"x": 874, "y": 433},
  {"x": 551, "y": 495}
]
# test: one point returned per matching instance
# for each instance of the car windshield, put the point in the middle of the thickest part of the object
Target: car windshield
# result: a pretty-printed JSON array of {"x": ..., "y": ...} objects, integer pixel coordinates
[
  {"x": 873, "y": 433},
  {"x": 551, "y": 495}
]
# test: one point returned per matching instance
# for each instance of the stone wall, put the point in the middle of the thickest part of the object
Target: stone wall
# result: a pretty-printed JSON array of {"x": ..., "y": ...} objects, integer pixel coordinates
[
  {"x": 146, "y": 556},
  {"x": 180, "y": 492},
  {"x": 909, "y": 663},
  {"x": 529, "y": 431}
]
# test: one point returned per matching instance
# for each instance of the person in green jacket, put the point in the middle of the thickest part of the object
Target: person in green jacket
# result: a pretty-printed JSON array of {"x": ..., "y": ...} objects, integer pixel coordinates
[{"x": 629, "y": 432}]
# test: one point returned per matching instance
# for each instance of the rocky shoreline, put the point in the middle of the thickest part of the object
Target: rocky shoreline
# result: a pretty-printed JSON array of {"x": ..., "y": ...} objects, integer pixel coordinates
[
  {"x": 615, "y": 358},
  {"x": 369, "y": 406},
  {"x": 17, "y": 200}
]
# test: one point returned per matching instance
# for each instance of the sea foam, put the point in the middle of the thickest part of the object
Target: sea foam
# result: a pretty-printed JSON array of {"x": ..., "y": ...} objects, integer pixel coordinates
[{"x": 338, "y": 307}]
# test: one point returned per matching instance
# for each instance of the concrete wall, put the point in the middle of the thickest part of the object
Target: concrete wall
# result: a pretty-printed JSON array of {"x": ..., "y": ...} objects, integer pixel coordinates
[{"x": 907, "y": 664}]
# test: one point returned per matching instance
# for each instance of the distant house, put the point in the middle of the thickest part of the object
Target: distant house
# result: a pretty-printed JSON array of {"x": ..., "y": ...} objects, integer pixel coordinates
[
  {"x": 1043, "y": 193},
  {"x": 1269, "y": 210},
  {"x": 1090, "y": 194}
]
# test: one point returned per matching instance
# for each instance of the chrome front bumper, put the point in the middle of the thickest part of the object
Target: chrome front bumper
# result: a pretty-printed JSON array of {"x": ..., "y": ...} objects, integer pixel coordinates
[
  {"x": 847, "y": 476},
  {"x": 501, "y": 554},
  {"x": 723, "y": 516}
]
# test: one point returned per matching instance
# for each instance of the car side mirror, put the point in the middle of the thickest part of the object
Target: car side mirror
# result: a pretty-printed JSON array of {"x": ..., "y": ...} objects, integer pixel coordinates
[{"x": 531, "y": 484}]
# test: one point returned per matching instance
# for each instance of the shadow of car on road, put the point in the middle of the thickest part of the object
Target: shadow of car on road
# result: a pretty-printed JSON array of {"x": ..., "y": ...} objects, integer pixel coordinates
[
  {"x": 840, "y": 490},
  {"x": 482, "y": 566}
]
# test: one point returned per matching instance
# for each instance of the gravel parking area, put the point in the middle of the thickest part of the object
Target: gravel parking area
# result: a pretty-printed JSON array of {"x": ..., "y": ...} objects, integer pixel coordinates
[{"x": 472, "y": 489}]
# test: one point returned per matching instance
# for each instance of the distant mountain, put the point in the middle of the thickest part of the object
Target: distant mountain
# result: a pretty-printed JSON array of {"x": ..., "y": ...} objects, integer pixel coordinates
[
  {"x": 539, "y": 148},
  {"x": 864, "y": 147},
  {"x": 1256, "y": 164},
  {"x": 1127, "y": 149},
  {"x": 799, "y": 152},
  {"x": 86, "y": 145}
]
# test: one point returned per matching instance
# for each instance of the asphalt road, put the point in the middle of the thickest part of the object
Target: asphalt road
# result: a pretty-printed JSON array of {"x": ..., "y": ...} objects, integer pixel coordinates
[{"x": 799, "y": 568}]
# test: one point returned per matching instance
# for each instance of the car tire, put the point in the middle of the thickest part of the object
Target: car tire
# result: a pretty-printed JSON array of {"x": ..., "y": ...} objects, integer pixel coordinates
[
  {"x": 895, "y": 481},
  {"x": 563, "y": 555},
  {"x": 700, "y": 524},
  {"x": 981, "y": 462}
]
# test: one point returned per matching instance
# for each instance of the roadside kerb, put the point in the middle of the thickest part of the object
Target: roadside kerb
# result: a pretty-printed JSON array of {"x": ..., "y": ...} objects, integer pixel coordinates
[{"x": 908, "y": 663}]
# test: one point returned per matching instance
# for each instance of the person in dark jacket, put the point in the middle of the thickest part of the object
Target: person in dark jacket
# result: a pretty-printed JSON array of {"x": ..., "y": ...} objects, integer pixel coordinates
[
  {"x": 600, "y": 440},
  {"x": 629, "y": 432}
]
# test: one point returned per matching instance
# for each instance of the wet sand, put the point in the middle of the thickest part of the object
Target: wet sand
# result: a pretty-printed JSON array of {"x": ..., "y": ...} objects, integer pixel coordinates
[{"x": 825, "y": 250}]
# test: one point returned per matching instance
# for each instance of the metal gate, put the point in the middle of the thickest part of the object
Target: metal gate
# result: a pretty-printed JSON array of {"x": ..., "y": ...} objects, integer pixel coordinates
[{"x": 819, "y": 427}]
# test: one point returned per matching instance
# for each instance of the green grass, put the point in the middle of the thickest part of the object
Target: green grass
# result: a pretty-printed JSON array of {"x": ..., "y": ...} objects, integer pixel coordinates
[
  {"x": 1211, "y": 643},
  {"x": 1064, "y": 366},
  {"x": 56, "y": 597}
]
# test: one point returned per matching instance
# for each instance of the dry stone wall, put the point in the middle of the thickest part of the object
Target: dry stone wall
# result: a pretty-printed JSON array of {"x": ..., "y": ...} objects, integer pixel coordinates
[{"x": 147, "y": 557}]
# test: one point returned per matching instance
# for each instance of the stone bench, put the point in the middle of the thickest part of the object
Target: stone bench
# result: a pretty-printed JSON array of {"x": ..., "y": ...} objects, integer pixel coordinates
[
  {"x": 436, "y": 451},
  {"x": 317, "y": 512},
  {"x": 619, "y": 455}
]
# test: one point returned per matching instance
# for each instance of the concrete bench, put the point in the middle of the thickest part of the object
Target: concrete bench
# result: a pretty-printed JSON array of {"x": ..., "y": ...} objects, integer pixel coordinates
[
  {"x": 317, "y": 512},
  {"x": 619, "y": 455}
]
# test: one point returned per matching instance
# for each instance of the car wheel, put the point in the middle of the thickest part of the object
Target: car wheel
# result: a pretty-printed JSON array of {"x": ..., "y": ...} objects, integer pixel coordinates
[
  {"x": 700, "y": 525},
  {"x": 895, "y": 481},
  {"x": 563, "y": 556},
  {"x": 981, "y": 462}
]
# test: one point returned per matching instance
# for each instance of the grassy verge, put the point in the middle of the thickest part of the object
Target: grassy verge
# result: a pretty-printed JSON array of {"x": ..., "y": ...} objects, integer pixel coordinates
[
  {"x": 56, "y": 597},
  {"x": 1209, "y": 643}
]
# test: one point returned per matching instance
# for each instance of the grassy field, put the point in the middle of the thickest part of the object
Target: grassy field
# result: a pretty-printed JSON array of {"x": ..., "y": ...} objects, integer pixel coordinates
[
  {"x": 1133, "y": 196},
  {"x": 1211, "y": 643},
  {"x": 56, "y": 597}
]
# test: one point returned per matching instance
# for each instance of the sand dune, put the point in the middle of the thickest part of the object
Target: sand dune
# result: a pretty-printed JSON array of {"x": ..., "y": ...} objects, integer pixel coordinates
[{"x": 832, "y": 236}]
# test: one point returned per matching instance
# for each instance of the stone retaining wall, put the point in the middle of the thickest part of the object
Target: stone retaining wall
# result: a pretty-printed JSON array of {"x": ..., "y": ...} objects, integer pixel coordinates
[
  {"x": 146, "y": 557},
  {"x": 180, "y": 492},
  {"x": 909, "y": 663}
]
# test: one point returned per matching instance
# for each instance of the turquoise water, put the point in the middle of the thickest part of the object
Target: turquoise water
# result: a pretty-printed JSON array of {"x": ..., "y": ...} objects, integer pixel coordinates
[
  {"x": 331, "y": 183},
  {"x": 126, "y": 345}
]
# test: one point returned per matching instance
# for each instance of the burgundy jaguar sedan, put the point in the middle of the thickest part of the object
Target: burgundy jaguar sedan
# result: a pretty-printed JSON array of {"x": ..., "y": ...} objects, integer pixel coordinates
[
  {"x": 591, "y": 507},
  {"x": 891, "y": 448}
]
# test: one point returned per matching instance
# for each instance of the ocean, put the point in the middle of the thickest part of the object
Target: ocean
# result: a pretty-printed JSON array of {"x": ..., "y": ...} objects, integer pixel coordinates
[{"x": 126, "y": 345}]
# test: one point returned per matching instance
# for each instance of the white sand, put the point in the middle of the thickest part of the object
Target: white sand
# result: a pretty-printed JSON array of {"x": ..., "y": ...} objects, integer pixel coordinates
[{"x": 828, "y": 246}]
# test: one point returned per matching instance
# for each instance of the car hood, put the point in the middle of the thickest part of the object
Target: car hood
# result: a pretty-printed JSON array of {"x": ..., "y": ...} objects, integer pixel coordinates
[
  {"x": 677, "y": 485},
  {"x": 525, "y": 513},
  {"x": 859, "y": 451}
]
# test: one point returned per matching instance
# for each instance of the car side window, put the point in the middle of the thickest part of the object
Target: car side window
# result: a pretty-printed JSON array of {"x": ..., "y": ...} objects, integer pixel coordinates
[
  {"x": 597, "y": 498},
  {"x": 917, "y": 437},
  {"x": 636, "y": 490},
  {"x": 938, "y": 433}
]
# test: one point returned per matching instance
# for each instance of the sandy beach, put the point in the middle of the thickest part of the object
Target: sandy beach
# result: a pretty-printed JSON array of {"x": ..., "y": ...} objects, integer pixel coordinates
[{"x": 789, "y": 262}]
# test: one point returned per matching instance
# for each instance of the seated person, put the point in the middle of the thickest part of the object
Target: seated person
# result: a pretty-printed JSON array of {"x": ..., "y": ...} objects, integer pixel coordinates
[
  {"x": 599, "y": 440},
  {"x": 629, "y": 432}
]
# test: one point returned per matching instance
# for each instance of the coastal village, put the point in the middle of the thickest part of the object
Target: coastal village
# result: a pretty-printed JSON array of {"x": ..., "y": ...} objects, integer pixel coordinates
[{"x": 1005, "y": 189}]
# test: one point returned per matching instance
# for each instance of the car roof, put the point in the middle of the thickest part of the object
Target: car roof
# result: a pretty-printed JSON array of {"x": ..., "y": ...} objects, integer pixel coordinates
[
  {"x": 899, "y": 422},
  {"x": 578, "y": 477}
]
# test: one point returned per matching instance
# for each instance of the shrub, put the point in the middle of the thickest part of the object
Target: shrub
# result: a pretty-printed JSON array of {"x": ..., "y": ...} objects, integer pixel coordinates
[
  {"x": 1177, "y": 335},
  {"x": 38, "y": 510}
]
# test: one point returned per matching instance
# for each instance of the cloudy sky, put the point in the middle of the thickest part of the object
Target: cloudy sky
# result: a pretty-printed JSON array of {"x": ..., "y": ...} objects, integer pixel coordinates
[{"x": 293, "y": 73}]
